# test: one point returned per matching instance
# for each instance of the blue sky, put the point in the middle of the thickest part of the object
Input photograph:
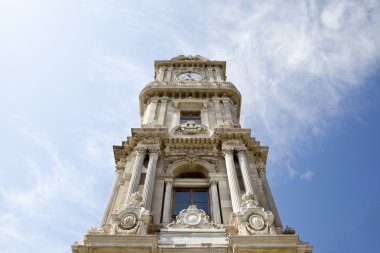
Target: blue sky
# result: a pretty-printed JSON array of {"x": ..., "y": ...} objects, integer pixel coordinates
[{"x": 71, "y": 72}]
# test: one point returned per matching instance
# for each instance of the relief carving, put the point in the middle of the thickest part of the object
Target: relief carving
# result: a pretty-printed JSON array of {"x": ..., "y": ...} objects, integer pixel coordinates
[
  {"x": 189, "y": 128},
  {"x": 192, "y": 217}
]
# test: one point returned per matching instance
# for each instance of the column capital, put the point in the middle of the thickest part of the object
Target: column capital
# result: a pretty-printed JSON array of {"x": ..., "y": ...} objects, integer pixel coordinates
[
  {"x": 140, "y": 150},
  {"x": 164, "y": 99},
  {"x": 241, "y": 150},
  {"x": 228, "y": 151},
  {"x": 226, "y": 99},
  {"x": 213, "y": 181},
  {"x": 216, "y": 99},
  {"x": 154, "y": 151},
  {"x": 168, "y": 180},
  {"x": 120, "y": 165},
  {"x": 154, "y": 99}
]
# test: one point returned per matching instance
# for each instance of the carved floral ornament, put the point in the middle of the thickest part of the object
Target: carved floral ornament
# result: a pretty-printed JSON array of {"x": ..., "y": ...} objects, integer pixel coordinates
[
  {"x": 146, "y": 146},
  {"x": 193, "y": 218},
  {"x": 189, "y": 128},
  {"x": 129, "y": 221}
]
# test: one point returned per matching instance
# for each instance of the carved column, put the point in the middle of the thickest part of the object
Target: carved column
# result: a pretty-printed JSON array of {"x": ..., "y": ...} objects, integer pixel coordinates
[
  {"x": 161, "y": 116},
  {"x": 215, "y": 202},
  {"x": 244, "y": 166},
  {"x": 205, "y": 115},
  {"x": 136, "y": 173},
  {"x": 175, "y": 115},
  {"x": 218, "y": 113},
  {"x": 209, "y": 74},
  {"x": 168, "y": 196},
  {"x": 218, "y": 74},
  {"x": 115, "y": 186},
  {"x": 227, "y": 108},
  {"x": 151, "y": 110},
  {"x": 150, "y": 177},
  {"x": 232, "y": 179},
  {"x": 169, "y": 74},
  {"x": 161, "y": 72}
]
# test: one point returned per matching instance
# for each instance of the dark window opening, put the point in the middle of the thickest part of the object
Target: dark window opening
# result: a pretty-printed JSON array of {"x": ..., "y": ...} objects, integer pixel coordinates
[
  {"x": 191, "y": 116},
  {"x": 191, "y": 175},
  {"x": 183, "y": 198}
]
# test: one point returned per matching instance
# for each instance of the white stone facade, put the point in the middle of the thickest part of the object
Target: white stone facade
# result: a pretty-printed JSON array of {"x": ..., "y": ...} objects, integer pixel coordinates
[{"x": 190, "y": 144}]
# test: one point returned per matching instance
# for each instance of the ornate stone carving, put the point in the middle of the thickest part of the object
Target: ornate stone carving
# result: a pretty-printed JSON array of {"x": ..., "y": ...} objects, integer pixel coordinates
[
  {"x": 128, "y": 221},
  {"x": 135, "y": 200},
  {"x": 189, "y": 58},
  {"x": 233, "y": 145},
  {"x": 120, "y": 165},
  {"x": 149, "y": 141},
  {"x": 230, "y": 124},
  {"x": 248, "y": 202},
  {"x": 190, "y": 128},
  {"x": 252, "y": 219},
  {"x": 128, "y": 224},
  {"x": 192, "y": 217},
  {"x": 134, "y": 219}
]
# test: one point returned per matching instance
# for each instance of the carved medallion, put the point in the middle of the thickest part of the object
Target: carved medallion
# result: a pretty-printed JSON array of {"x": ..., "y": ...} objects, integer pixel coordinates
[
  {"x": 256, "y": 222},
  {"x": 128, "y": 221}
]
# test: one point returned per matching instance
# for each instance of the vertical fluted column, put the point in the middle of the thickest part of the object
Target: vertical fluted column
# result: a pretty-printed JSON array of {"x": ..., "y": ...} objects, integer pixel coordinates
[
  {"x": 168, "y": 196},
  {"x": 150, "y": 177},
  {"x": 115, "y": 186},
  {"x": 136, "y": 173},
  {"x": 169, "y": 74},
  {"x": 218, "y": 113},
  {"x": 244, "y": 167},
  {"x": 232, "y": 180},
  {"x": 218, "y": 74},
  {"x": 209, "y": 74},
  {"x": 161, "y": 116},
  {"x": 227, "y": 108},
  {"x": 205, "y": 115},
  {"x": 152, "y": 109},
  {"x": 215, "y": 202},
  {"x": 161, "y": 72}
]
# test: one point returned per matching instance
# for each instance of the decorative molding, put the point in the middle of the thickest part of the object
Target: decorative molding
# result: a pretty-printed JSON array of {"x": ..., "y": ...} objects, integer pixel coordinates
[
  {"x": 230, "y": 124},
  {"x": 134, "y": 219},
  {"x": 192, "y": 218},
  {"x": 120, "y": 165},
  {"x": 189, "y": 58},
  {"x": 252, "y": 219},
  {"x": 190, "y": 128}
]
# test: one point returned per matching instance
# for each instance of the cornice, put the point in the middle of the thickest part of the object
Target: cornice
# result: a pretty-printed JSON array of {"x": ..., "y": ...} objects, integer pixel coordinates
[{"x": 209, "y": 89}]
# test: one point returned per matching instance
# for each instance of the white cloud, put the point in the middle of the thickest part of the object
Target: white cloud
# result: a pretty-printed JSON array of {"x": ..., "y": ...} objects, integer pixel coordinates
[
  {"x": 55, "y": 186},
  {"x": 296, "y": 63},
  {"x": 307, "y": 176}
]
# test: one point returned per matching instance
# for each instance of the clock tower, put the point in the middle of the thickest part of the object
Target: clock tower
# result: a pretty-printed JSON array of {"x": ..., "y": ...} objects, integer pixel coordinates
[{"x": 190, "y": 178}]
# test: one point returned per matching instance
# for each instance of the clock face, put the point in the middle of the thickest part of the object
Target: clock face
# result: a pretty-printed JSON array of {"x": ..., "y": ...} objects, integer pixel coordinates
[{"x": 190, "y": 76}]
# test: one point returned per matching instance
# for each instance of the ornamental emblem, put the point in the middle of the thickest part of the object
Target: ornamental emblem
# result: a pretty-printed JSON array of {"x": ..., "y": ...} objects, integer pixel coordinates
[
  {"x": 256, "y": 222},
  {"x": 192, "y": 217},
  {"x": 128, "y": 221},
  {"x": 190, "y": 128}
]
